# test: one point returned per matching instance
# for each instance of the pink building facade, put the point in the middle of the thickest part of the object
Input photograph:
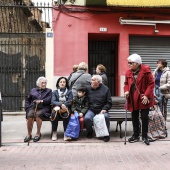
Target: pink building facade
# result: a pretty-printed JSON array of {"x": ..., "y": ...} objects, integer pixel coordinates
[{"x": 97, "y": 36}]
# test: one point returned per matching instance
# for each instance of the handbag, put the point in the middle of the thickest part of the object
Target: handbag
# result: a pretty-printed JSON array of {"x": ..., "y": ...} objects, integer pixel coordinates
[
  {"x": 58, "y": 110},
  {"x": 100, "y": 125},
  {"x": 73, "y": 127},
  {"x": 156, "y": 126}
]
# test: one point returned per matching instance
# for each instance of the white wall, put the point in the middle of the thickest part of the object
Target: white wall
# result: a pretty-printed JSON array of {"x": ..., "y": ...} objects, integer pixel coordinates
[
  {"x": 49, "y": 64},
  {"x": 122, "y": 79}
]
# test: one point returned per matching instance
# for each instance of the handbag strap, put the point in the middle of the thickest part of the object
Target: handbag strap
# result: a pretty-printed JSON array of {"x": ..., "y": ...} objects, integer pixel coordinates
[
  {"x": 137, "y": 88},
  {"x": 66, "y": 112},
  {"x": 54, "y": 116},
  {"x": 72, "y": 83},
  {"x": 58, "y": 111}
]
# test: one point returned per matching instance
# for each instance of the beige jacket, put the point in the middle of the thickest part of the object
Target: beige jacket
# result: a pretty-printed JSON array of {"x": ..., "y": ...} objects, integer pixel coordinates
[{"x": 164, "y": 81}]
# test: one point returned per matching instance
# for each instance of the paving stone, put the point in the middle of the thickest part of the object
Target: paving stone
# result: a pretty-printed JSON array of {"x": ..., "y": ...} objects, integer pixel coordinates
[{"x": 83, "y": 154}]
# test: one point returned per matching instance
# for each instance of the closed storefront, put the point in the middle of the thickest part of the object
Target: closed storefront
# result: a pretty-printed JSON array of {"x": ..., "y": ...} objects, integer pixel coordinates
[{"x": 151, "y": 49}]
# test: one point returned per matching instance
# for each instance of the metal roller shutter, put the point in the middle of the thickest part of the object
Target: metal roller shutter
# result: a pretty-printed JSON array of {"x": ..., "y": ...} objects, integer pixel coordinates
[{"x": 151, "y": 49}]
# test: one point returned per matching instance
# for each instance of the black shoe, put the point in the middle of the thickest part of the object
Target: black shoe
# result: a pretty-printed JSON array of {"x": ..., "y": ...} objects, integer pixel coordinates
[
  {"x": 134, "y": 139},
  {"x": 106, "y": 139},
  {"x": 27, "y": 138},
  {"x": 146, "y": 141},
  {"x": 37, "y": 138},
  {"x": 89, "y": 135}
]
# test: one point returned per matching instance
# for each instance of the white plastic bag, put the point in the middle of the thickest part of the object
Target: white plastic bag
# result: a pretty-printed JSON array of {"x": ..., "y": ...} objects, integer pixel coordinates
[{"x": 100, "y": 125}]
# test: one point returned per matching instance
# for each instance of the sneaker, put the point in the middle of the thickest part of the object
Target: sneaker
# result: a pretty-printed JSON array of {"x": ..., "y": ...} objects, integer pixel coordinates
[
  {"x": 54, "y": 136},
  {"x": 89, "y": 135},
  {"x": 66, "y": 138},
  {"x": 106, "y": 139},
  {"x": 146, "y": 141},
  {"x": 133, "y": 139}
]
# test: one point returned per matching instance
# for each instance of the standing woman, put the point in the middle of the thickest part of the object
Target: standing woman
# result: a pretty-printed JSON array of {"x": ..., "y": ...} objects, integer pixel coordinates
[
  {"x": 75, "y": 68},
  {"x": 61, "y": 99},
  {"x": 37, "y": 104},
  {"x": 101, "y": 70},
  {"x": 162, "y": 84},
  {"x": 80, "y": 78},
  {"x": 138, "y": 90}
]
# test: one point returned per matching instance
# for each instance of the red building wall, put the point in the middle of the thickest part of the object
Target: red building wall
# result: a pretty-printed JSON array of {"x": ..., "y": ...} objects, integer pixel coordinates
[{"x": 71, "y": 37}]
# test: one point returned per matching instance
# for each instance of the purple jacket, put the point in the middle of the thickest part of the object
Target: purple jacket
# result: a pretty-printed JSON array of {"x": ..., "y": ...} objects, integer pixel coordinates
[{"x": 37, "y": 94}]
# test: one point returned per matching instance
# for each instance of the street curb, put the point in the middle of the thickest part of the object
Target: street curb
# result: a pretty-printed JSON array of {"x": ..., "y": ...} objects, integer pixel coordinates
[{"x": 13, "y": 113}]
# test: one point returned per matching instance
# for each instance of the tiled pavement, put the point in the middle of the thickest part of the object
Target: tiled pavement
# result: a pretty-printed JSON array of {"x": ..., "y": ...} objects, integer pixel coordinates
[{"x": 84, "y": 154}]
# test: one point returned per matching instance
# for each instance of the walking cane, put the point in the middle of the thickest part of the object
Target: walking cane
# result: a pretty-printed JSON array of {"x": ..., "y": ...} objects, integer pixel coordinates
[
  {"x": 35, "y": 110},
  {"x": 125, "y": 121}
]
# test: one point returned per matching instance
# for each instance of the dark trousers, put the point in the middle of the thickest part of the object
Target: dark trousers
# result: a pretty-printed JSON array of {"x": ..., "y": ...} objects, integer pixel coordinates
[
  {"x": 136, "y": 122},
  {"x": 65, "y": 121}
]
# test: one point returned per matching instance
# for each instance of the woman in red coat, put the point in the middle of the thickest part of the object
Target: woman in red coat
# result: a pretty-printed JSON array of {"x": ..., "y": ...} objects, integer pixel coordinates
[{"x": 138, "y": 90}]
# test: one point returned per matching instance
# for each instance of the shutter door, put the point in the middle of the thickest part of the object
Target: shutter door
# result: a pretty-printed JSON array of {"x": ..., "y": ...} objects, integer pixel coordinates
[{"x": 151, "y": 49}]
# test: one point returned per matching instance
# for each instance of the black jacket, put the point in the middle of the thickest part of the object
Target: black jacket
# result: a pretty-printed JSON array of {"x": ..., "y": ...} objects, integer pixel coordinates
[{"x": 99, "y": 99}]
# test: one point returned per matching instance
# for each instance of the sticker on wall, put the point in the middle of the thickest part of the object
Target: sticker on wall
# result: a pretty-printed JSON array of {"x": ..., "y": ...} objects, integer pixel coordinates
[{"x": 49, "y": 34}]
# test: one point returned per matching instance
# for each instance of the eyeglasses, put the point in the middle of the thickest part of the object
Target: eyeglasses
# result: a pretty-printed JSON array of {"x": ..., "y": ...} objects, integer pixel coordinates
[{"x": 130, "y": 63}]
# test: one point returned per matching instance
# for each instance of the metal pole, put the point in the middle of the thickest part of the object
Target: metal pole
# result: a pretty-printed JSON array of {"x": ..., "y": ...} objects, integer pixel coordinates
[
  {"x": 125, "y": 121},
  {"x": 0, "y": 118}
]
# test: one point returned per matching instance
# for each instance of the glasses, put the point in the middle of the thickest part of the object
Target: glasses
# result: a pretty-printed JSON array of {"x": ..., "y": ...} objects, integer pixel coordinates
[{"x": 130, "y": 63}]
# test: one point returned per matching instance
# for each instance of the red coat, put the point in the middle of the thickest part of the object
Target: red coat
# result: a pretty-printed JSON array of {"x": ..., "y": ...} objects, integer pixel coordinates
[{"x": 145, "y": 84}]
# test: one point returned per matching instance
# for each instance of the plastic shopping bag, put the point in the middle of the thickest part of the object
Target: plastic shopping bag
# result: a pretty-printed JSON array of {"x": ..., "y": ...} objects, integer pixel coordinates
[
  {"x": 73, "y": 127},
  {"x": 100, "y": 126}
]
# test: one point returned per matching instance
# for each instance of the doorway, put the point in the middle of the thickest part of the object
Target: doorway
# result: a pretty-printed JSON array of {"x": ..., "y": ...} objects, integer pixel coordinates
[{"x": 103, "y": 50}]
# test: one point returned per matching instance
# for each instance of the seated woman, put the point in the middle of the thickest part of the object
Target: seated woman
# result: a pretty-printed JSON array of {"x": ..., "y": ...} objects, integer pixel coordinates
[
  {"x": 61, "y": 99},
  {"x": 37, "y": 104}
]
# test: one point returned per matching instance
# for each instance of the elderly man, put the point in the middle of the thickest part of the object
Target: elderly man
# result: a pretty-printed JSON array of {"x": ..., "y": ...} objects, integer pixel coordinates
[
  {"x": 138, "y": 89},
  {"x": 99, "y": 102}
]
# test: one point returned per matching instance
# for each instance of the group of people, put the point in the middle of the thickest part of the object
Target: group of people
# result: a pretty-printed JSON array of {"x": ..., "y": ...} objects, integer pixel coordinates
[
  {"x": 143, "y": 89},
  {"x": 80, "y": 93},
  {"x": 89, "y": 95}
]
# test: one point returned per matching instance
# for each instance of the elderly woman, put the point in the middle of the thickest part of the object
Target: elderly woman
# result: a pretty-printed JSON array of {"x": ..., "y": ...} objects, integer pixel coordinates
[
  {"x": 138, "y": 90},
  {"x": 162, "y": 84},
  {"x": 37, "y": 104},
  {"x": 61, "y": 99},
  {"x": 75, "y": 68},
  {"x": 80, "y": 78},
  {"x": 101, "y": 70}
]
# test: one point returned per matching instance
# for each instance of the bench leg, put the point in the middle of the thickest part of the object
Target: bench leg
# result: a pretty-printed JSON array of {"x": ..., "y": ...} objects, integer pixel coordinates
[
  {"x": 117, "y": 127},
  {"x": 120, "y": 127},
  {"x": 120, "y": 123}
]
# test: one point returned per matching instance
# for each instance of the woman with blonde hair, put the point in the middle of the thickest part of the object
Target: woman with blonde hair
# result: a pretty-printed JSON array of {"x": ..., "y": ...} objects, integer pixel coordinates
[
  {"x": 75, "y": 68},
  {"x": 101, "y": 70}
]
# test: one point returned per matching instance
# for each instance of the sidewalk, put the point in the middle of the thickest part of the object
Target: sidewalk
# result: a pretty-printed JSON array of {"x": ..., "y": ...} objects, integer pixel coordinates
[{"x": 84, "y": 154}]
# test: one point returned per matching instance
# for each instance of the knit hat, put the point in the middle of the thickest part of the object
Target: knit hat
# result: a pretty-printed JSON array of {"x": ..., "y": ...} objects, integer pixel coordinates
[{"x": 135, "y": 58}]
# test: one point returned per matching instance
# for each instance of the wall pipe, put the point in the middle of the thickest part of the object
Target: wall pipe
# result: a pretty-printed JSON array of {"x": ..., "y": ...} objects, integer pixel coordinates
[{"x": 142, "y": 22}]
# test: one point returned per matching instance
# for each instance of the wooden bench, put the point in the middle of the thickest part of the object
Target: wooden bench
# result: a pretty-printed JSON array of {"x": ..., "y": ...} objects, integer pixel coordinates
[{"x": 118, "y": 112}]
